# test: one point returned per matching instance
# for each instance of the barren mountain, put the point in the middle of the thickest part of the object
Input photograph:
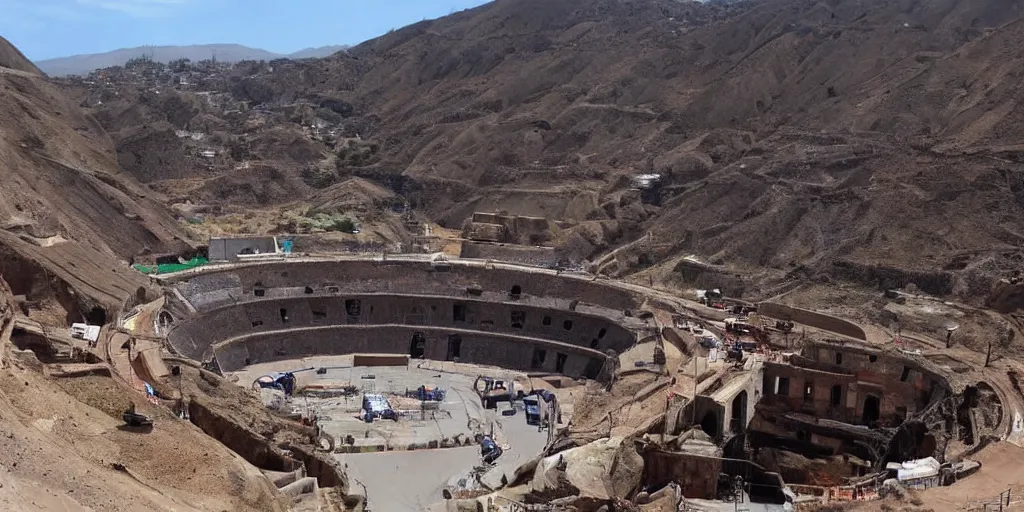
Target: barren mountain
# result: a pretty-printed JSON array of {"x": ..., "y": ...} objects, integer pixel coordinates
[
  {"x": 71, "y": 219},
  {"x": 83, "y": 64},
  {"x": 871, "y": 140}
]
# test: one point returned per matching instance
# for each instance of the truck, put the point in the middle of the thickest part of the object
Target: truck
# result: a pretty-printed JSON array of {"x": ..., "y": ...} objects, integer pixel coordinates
[
  {"x": 491, "y": 391},
  {"x": 532, "y": 405}
]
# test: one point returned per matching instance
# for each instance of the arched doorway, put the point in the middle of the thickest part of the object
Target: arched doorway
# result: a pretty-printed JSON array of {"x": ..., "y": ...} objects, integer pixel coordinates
[
  {"x": 96, "y": 316},
  {"x": 516, "y": 291},
  {"x": 709, "y": 424},
  {"x": 872, "y": 409},
  {"x": 418, "y": 345},
  {"x": 739, "y": 412}
]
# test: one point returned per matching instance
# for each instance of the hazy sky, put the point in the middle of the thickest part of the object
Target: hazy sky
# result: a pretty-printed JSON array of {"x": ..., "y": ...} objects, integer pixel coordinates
[{"x": 44, "y": 29}]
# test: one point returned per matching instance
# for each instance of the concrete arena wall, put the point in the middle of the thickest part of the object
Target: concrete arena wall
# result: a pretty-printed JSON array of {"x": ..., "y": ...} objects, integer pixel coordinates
[
  {"x": 194, "y": 337},
  {"x": 812, "y": 319},
  {"x": 215, "y": 287},
  {"x": 523, "y": 254},
  {"x": 476, "y": 347}
]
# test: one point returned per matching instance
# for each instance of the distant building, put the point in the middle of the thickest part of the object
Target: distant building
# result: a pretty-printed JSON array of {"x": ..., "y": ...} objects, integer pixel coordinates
[{"x": 233, "y": 249}]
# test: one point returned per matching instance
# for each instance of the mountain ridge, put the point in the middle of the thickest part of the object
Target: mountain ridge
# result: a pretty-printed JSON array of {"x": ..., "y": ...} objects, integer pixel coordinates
[{"x": 227, "y": 52}]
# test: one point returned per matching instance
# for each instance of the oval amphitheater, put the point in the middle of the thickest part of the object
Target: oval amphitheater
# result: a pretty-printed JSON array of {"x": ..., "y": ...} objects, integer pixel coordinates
[{"x": 822, "y": 418}]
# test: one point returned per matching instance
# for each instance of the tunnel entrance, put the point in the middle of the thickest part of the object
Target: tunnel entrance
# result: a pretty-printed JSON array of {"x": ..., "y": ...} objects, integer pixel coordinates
[
  {"x": 739, "y": 412},
  {"x": 96, "y": 316},
  {"x": 418, "y": 345},
  {"x": 872, "y": 409}
]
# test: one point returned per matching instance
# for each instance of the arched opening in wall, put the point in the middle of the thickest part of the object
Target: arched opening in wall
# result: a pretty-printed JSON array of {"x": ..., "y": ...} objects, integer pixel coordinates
[
  {"x": 839, "y": 358},
  {"x": 164, "y": 320},
  {"x": 308, "y": 290},
  {"x": 96, "y": 316},
  {"x": 539, "y": 355},
  {"x": 593, "y": 368},
  {"x": 515, "y": 292},
  {"x": 284, "y": 315},
  {"x": 560, "y": 359},
  {"x": 567, "y": 325},
  {"x": 739, "y": 413},
  {"x": 872, "y": 409},
  {"x": 418, "y": 345},
  {"x": 353, "y": 307},
  {"x": 546, "y": 320},
  {"x": 518, "y": 319},
  {"x": 709, "y": 424},
  {"x": 458, "y": 312},
  {"x": 454, "y": 347},
  {"x": 594, "y": 342},
  {"x": 601, "y": 334},
  {"x": 836, "y": 396},
  {"x": 258, "y": 290}
]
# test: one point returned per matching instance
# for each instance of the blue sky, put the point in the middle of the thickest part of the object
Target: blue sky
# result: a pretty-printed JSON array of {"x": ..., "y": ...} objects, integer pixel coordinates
[{"x": 44, "y": 29}]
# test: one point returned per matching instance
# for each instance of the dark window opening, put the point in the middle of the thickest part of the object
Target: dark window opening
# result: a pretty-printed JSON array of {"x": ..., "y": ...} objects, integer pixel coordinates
[
  {"x": 872, "y": 358},
  {"x": 836, "y": 396},
  {"x": 454, "y": 347},
  {"x": 872, "y": 408},
  {"x": 539, "y": 355},
  {"x": 486, "y": 324},
  {"x": 418, "y": 345},
  {"x": 515, "y": 292},
  {"x": 96, "y": 316},
  {"x": 783, "y": 386},
  {"x": 602, "y": 333},
  {"x": 594, "y": 342},
  {"x": 839, "y": 358},
  {"x": 803, "y": 435},
  {"x": 284, "y": 315},
  {"x": 308, "y": 290},
  {"x": 808, "y": 391},
  {"x": 459, "y": 312},
  {"x": 333, "y": 289},
  {"x": 518, "y": 319},
  {"x": 905, "y": 375},
  {"x": 319, "y": 314},
  {"x": 901, "y": 413},
  {"x": 257, "y": 323},
  {"x": 259, "y": 292},
  {"x": 546, "y": 320},
  {"x": 352, "y": 307},
  {"x": 567, "y": 325},
  {"x": 560, "y": 362}
]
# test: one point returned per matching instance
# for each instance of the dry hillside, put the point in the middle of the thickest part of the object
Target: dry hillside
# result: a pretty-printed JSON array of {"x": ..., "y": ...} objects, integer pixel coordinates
[{"x": 826, "y": 139}]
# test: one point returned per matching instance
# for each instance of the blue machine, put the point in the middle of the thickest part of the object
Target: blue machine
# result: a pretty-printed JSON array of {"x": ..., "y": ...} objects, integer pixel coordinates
[
  {"x": 285, "y": 381},
  {"x": 489, "y": 449}
]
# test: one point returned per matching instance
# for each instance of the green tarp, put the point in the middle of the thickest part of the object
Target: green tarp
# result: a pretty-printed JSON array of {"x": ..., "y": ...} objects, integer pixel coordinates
[{"x": 167, "y": 268}]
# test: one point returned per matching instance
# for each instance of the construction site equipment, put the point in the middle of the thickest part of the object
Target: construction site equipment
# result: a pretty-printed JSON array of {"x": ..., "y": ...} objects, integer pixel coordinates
[
  {"x": 377, "y": 406},
  {"x": 489, "y": 449},
  {"x": 427, "y": 394},
  {"x": 285, "y": 381},
  {"x": 532, "y": 406},
  {"x": 134, "y": 419},
  {"x": 492, "y": 391}
]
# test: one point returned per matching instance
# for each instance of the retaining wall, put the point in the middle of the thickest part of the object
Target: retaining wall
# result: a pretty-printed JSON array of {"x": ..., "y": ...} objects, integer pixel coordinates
[
  {"x": 522, "y": 254},
  {"x": 193, "y": 337},
  {"x": 513, "y": 352},
  {"x": 812, "y": 319}
]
